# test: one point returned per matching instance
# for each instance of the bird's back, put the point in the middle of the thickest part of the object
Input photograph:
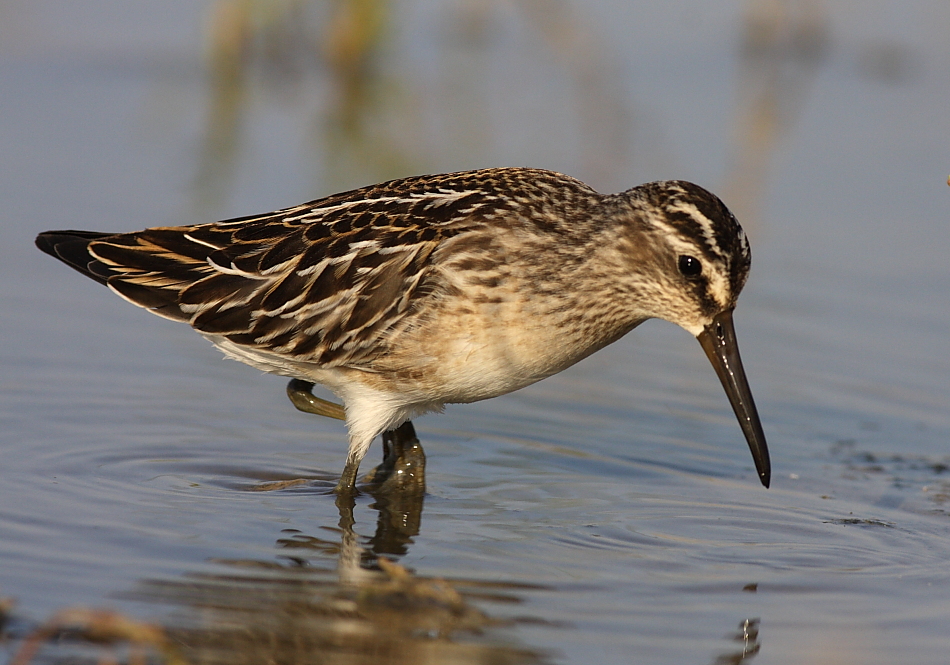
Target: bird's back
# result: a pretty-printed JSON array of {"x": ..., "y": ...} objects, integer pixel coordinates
[{"x": 327, "y": 281}]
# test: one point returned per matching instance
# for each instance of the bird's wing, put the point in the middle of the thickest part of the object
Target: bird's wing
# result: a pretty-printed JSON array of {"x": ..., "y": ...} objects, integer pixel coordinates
[{"x": 320, "y": 282}]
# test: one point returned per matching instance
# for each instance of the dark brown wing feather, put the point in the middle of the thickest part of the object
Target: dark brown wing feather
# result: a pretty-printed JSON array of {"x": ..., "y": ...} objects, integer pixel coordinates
[
  {"x": 72, "y": 248},
  {"x": 320, "y": 282}
]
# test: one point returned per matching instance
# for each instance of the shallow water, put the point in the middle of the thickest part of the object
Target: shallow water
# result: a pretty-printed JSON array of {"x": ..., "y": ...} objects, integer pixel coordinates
[{"x": 609, "y": 514}]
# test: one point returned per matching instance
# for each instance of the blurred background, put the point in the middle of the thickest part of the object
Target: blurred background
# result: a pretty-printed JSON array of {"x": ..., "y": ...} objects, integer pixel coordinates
[{"x": 607, "y": 515}]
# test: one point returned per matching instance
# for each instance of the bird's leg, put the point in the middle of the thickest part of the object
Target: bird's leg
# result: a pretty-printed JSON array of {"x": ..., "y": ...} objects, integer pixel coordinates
[
  {"x": 404, "y": 463},
  {"x": 301, "y": 397},
  {"x": 347, "y": 484},
  {"x": 299, "y": 393}
]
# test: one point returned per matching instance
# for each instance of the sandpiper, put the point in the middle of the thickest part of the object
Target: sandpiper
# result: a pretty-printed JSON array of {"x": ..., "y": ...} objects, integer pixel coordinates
[{"x": 415, "y": 293}]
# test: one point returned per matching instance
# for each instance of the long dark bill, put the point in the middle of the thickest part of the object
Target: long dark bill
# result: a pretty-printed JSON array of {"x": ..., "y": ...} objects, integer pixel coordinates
[{"x": 718, "y": 340}]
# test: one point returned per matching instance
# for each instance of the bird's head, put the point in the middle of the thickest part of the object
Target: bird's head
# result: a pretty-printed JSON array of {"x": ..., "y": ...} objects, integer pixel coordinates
[{"x": 688, "y": 260}]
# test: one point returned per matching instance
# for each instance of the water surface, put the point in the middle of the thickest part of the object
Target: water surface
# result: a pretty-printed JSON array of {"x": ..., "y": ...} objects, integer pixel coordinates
[{"x": 610, "y": 514}]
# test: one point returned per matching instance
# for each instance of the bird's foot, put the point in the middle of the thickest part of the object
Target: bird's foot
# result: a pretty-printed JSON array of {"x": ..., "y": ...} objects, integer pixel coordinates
[{"x": 403, "y": 469}]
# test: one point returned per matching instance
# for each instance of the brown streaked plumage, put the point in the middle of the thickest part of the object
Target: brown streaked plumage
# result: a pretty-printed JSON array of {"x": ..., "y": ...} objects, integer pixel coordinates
[{"x": 407, "y": 295}]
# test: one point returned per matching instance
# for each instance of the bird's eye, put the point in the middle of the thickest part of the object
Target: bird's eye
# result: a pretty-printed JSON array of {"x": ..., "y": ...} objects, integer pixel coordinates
[{"x": 690, "y": 265}]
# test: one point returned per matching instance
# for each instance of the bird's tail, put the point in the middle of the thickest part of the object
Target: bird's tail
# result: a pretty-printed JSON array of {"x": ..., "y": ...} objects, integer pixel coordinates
[
  {"x": 130, "y": 264},
  {"x": 72, "y": 248}
]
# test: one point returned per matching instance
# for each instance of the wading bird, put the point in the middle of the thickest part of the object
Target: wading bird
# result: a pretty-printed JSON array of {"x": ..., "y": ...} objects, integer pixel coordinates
[{"x": 415, "y": 293}]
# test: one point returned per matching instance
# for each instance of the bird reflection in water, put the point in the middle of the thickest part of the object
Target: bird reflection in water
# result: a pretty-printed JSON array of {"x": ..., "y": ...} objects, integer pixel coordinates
[{"x": 339, "y": 597}]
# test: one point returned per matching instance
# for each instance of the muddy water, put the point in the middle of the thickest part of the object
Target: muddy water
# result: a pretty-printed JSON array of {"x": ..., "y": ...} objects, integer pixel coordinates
[{"x": 610, "y": 514}]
